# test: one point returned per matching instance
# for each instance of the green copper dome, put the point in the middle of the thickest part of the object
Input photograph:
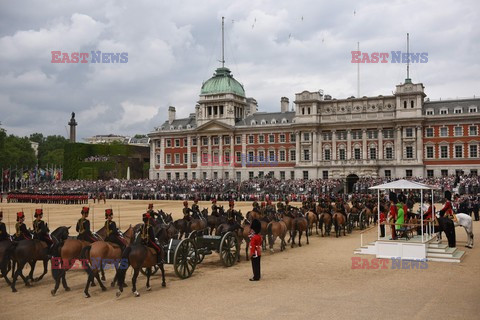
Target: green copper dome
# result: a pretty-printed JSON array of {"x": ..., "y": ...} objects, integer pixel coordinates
[{"x": 222, "y": 82}]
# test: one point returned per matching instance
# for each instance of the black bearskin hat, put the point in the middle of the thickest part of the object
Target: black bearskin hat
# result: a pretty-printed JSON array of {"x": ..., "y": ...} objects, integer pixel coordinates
[
  {"x": 448, "y": 195},
  {"x": 401, "y": 198},
  {"x": 393, "y": 197}
]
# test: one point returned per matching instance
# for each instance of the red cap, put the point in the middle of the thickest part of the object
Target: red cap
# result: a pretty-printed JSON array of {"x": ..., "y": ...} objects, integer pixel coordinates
[
  {"x": 85, "y": 209},
  {"x": 38, "y": 211},
  {"x": 263, "y": 203},
  {"x": 214, "y": 200},
  {"x": 185, "y": 203},
  {"x": 150, "y": 206},
  {"x": 231, "y": 203},
  {"x": 108, "y": 212},
  {"x": 20, "y": 215}
]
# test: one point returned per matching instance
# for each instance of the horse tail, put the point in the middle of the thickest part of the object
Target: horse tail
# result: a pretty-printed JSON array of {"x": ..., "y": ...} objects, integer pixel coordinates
[
  {"x": 122, "y": 270},
  {"x": 85, "y": 253},
  {"x": 335, "y": 222},
  {"x": 270, "y": 234},
  {"x": 294, "y": 227}
]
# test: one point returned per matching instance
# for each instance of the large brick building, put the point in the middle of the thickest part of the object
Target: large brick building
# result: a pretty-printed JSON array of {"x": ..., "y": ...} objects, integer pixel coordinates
[{"x": 397, "y": 135}]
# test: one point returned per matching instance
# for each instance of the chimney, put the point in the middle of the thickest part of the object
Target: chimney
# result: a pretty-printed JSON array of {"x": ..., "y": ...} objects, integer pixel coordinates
[
  {"x": 171, "y": 114},
  {"x": 284, "y": 102}
]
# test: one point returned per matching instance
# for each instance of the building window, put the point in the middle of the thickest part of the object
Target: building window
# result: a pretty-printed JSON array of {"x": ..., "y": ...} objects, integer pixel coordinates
[
  {"x": 158, "y": 143},
  {"x": 215, "y": 141},
  {"x": 185, "y": 143},
  {"x": 387, "y": 134},
  {"x": 326, "y": 154},
  {"x": 408, "y": 173},
  {"x": 261, "y": 156},
  {"x": 473, "y": 151},
  {"x": 357, "y": 134},
  {"x": 250, "y": 175},
  {"x": 185, "y": 158},
  {"x": 326, "y": 135},
  {"x": 306, "y": 155},
  {"x": 292, "y": 175},
  {"x": 458, "y": 151},
  {"x": 404, "y": 104},
  {"x": 271, "y": 156},
  {"x": 158, "y": 158},
  {"x": 227, "y": 157},
  {"x": 185, "y": 175},
  {"x": 430, "y": 152},
  {"x": 215, "y": 175},
  {"x": 282, "y": 138},
  {"x": 271, "y": 138},
  {"x": 227, "y": 175},
  {"x": 194, "y": 141},
  {"x": 429, "y": 112},
  {"x": 169, "y": 176},
  {"x": 169, "y": 143},
  {"x": 325, "y": 174},
  {"x": 472, "y": 131},
  {"x": 205, "y": 141},
  {"x": 215, "y": 158},
  {"x": 177, "y": 158},
  {"x": 429, "y": 173},
  {"x": 357, "y": 154},
  {"x": 458, "y": 131},
  {"x": 388, "y": 174},
  {"x": 444, "y": 152},
  {"x": 305, "y": 175},
  {"x": 444, "y": 173},
  {"x": 372, "y": 134},
  {"x": 373, "y": 153},
  {"x": 443, "y": 111},
  {"x": 226, "y": 140},
  {"x": 429, "y": 132},
  {"x": 238, "y": 139},
  {"x": 282, "y": 175},
  {"x": 238, "y": 156},
  {"x": 458, "y": 110},
  {"x": 205, "y": 157},
  {"x": 250, "y": 139},
  {"x": 409, "y": 152},
  {"x": 293, "y": 155},
  {"x": 260, "y": 174},
  {"x": 261, "y": 138},
  {"x": 177, "y": 175},
  {"x": 411, "y": 104},
  {"x": 250, "y": 156},
  {"x": 293, "y": 138},
  {"x": 443, "y": 132},
  {"x": 194, "y": 157},
  {"x": 282, "y": 155},
  {"x": 239, "y": 176},
  {"x": 168, "y": 159},
  {"x": 409, "y": 132},
  {"x": 472, "y": 109},
  {"x": 342, "y": 154},
  {"x": 306, "y": 136},
  {"x": 342, "y": 135},
  {"x": 389, "y": 153}
]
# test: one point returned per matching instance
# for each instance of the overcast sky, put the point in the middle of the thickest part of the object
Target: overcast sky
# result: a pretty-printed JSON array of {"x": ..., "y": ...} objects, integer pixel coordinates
[{"x": 274, "y": 48}]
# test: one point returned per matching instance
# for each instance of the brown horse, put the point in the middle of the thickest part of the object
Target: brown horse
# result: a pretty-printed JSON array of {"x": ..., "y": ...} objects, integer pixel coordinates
[
  {"x": 339, "y": 222},
  {"x": 312, "y": 220},
  {"x": 246, "y": 237},
  {"x": 300, "y": 224},
  {"x": 30, "y": 251},
  {"x": 140, "y": 256},
  {"x": 289, "y": 223},
  {"x": 197, "y": 225},
  {"x": 102, "y": 252},
  {"x": 277, "y": 229},
  {"x": 6, "y": 250},
  {"x": 325, "y": 219}
]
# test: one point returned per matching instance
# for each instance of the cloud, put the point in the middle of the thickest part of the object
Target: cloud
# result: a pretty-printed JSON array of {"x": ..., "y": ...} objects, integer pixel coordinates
[{"x": 274, "y": 48}]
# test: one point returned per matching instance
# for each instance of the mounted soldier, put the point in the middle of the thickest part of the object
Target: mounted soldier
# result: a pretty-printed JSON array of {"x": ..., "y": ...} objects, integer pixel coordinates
[
  {"x": 196, "y": 209},
  {"x": 270, "y": 207},
  {"x": 256, "y": 206},
  {"x": 280, "y": 207},
  {"x": 186, "y": 211},
  {"x": 21, "y": 229},
  {"x": 112, "y": 233},
  {"x": 83, "y": 227},
  {"x": 214, "y": 207},
  {"x": 3, "y": 230},
  {"x": 231, "y": 213},
  {"x": 288, "y": 207},
  {"x": 148, "y": 237},
  {"x": 40, "y": 229}
]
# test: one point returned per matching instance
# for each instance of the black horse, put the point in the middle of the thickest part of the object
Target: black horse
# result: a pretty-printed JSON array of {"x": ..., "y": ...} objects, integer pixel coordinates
[
  {"x": 30, "y": 251},
  {"x": 446, "y": 225}
]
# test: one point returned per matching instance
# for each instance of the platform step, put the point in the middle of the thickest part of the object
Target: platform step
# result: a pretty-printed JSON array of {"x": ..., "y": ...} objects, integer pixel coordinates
[
  {"x": 457, "y": 256},
  {"x": 441, "y": 250},
  {"x": 438, "y": 245}
]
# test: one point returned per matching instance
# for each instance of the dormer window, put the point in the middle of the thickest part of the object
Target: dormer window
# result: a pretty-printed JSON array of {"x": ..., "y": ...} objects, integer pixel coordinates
[
  {"x": 172, "y": 127},
  {"x": 273, "y": 121},
  {"x": 263, "y": 122},
  {"x": 180, "y": 127},
  {"x": 458, "y": 110},
  {"x": 253, "y": 122},
  {"x": 444, "y": 111},
  {"x": 284, "y": 120},
  {"x": 472, "y": 109},
  {"x": 429, "y": 112}
]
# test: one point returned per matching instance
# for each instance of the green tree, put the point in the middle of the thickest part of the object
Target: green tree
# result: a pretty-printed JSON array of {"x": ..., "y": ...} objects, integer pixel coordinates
[
  {"x": 17, "y": 152},
  {"x": 54, "y": 157},
  {"x": 50, "y": 144},
  {"x": 37, "y": 137}
]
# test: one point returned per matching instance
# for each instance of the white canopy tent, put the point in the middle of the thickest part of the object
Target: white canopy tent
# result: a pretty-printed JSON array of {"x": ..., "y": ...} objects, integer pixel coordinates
[{"x": 404, "y": 185}]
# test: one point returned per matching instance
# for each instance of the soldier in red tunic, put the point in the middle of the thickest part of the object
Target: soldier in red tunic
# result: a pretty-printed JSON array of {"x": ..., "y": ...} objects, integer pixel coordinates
[
  {"x": 393, "y": 213},
  {"x": 447, "y": 207},
  {"x": 256, "y": 249}
]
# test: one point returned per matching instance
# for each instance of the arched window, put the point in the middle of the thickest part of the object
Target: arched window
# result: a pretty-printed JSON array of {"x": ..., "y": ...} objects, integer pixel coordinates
[
  {"x": 411, "y": 104},
  {"x": 273, "y": 121},
  {"x": 405, "y": 104}
]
